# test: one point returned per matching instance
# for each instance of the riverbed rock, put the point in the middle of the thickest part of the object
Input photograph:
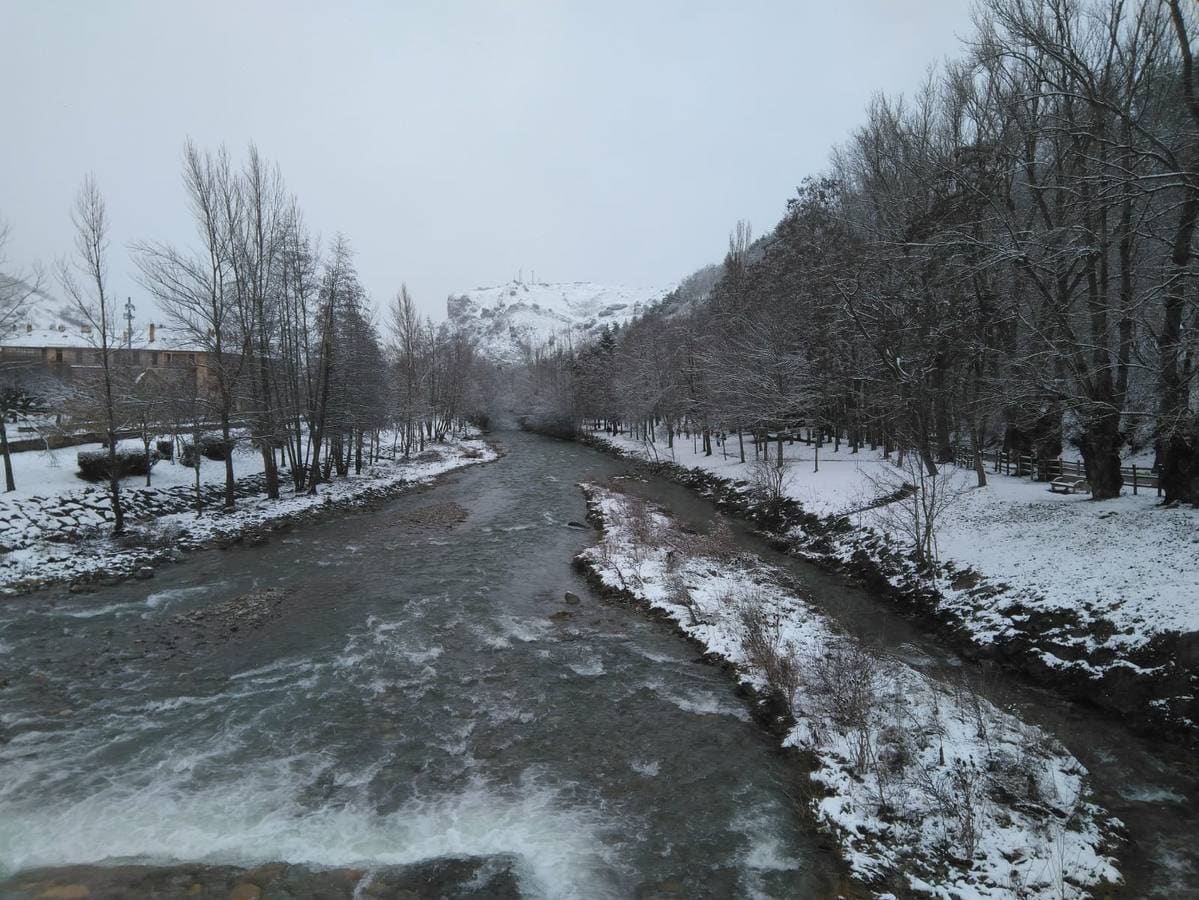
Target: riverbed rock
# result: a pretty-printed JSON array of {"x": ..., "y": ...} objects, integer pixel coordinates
[
  {"x": 439, "y": 515},
  {"x": 65, "y": 892},
  {"x": 214, "y": 625},
  {"x": 572, "y": 598},
  {"x": 491, "y": 876},
  {"x": 663, "y": 890},
  {"x": 145, "y": 572},
  {"x": 573, "y": 524}
]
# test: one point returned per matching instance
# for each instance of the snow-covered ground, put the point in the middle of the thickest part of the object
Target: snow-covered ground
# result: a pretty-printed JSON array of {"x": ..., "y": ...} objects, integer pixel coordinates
[
  {"x": 508, "y": 320},
  {"x": 925, "y": 782},
  {"x": 826, "y": 483},
  {"x": 90, "y": 552},
  {"x": 1129, "y": 560},
  {"x": 45, "y": 473}
]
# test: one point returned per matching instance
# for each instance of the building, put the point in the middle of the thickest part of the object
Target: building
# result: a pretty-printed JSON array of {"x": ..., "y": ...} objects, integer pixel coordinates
[{"x": 69, "y": 352}]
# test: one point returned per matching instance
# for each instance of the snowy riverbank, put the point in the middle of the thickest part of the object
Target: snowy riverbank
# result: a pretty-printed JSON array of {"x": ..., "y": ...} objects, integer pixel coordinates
[
  {"x": 927, "y": 787},
  {"x": 1095, "y": 599},
  {"x": 71, "y": 543}
]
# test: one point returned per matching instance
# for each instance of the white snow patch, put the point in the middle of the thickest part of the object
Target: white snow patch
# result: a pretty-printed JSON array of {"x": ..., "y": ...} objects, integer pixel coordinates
[{"x": 915, "y": 769}]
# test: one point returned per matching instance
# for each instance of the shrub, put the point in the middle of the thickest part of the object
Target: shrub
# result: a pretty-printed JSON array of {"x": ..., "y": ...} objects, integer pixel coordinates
[
  {"x": 216, "y": 448},
  {"x": 212, "y": 446},
  {"x": 770, "y": 477},
  {"x": 763, "y": 644},
  {"x": 166, "y": 449},
  {"x": 93, "y": 464}
]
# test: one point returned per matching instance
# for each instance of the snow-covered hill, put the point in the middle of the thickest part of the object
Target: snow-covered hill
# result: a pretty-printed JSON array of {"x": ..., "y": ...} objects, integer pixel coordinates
[
  {"x": 510, "y": 320},
  {"x": 37, "y": 309}
]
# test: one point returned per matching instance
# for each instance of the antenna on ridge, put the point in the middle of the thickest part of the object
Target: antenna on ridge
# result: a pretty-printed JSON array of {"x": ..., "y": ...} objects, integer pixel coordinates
[{"x": 129, "y": 310}]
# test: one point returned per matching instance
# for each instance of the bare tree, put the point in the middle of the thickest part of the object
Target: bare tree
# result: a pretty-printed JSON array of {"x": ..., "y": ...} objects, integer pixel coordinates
[
  {"x": 147, "y": 399},
  {"x": 406, "y": 337},
  {"x": 197, "y": 289},
  {"x": 17, "y": 289},
  {"x": 84, "y": 279}
]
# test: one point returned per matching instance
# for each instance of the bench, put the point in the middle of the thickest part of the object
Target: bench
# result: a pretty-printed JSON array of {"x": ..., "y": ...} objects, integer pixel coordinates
[{"x": 1068, "y": 484}]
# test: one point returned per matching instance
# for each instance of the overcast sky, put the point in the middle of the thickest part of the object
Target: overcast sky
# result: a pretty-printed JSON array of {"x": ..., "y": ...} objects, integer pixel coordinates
[{"x": 454, "y": 143}]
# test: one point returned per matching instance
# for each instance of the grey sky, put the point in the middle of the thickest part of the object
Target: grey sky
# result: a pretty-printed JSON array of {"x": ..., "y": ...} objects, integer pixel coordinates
[{"x": 453, "y": 142}]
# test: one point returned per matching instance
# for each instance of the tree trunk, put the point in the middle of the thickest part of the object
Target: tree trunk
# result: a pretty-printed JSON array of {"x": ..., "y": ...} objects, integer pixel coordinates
[
  {"x": 977, "y": 453},
  {"x": 271, "y": 470},
  {"x": 1101, "y": 456},
  {"x": 228, "y": 447},
  {"x": 1179, "y": 442},
  {"x": 9, "y": 483}
]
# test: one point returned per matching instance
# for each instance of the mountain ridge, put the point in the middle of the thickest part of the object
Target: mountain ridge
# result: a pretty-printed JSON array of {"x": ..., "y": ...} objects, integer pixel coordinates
[{"x": 512, "y": 320}]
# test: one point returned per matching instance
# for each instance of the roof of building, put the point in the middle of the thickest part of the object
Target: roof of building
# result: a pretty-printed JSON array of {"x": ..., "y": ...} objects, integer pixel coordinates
[
  {"x": 44, "y": 320},
  {"x": 72, "y": 338}
]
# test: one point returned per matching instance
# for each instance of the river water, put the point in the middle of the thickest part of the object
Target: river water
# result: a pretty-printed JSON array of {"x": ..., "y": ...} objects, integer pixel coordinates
[
  {"x": 428, "y": 693},
  {"x": 416, "y": 700}
]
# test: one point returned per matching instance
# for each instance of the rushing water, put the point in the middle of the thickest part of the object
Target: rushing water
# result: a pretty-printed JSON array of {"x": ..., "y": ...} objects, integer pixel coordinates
[
  {"x": 1151, "y": 786},
  {"x": 416, "y": 700},
  {"x": 428, "y": 693}
]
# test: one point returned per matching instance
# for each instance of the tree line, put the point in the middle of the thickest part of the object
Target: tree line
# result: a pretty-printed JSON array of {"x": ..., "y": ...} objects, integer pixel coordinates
[
  {"x": 1006, "y": 258},
  {"x": 277, "y": 336}
]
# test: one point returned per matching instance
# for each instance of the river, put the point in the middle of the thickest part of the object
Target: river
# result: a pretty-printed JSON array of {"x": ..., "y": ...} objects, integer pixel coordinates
[{"x": 427, "y": 692}]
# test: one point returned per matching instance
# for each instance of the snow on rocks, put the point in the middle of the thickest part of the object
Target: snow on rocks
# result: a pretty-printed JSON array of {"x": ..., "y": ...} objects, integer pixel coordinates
[
  {"x": 928, "y": 787},
  {"x": 74, "y": 546}
]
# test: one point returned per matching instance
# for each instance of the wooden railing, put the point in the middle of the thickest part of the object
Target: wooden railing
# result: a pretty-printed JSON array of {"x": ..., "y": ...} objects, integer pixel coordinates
[{"x": 1027, "y": 465}]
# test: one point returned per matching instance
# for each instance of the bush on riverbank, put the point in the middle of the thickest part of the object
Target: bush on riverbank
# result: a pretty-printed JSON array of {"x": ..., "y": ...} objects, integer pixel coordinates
[
  {"x": 211, "y": 446},
  {"x": 94, "y": 464}
]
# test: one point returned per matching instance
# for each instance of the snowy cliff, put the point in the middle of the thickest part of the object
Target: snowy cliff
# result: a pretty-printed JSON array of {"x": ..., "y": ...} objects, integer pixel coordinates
[{"x": 513, "y": 319}]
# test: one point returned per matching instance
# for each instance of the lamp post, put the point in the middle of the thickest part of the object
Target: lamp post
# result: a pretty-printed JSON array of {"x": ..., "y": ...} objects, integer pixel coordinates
[{"x": 129, "y": 309}]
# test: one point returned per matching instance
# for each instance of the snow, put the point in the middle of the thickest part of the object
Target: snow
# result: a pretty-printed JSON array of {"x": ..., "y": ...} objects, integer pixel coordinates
[
  {"x": 1129, "y": 560},
  {"x": 924, "y": 780},
  {"x": 92, "y": 552},
  {"x": 824, "y": 482},
  {"x": 46, "y": 473},
  {"x": 64, "y": 337},
  {"x": 48, "y": 321},
  {"x": 510, "y": 319}
]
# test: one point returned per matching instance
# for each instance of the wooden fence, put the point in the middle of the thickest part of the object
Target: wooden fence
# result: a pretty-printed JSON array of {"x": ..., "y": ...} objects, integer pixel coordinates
[
  {"x": 1007, "y": 463},
  {"x": 1027, "y": 465}
]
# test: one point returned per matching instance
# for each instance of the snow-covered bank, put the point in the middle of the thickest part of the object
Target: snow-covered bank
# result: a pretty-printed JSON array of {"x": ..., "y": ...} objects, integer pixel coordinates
[
  {"x": 927, "y": 787},
  {"x": 78, "y": 547},
  {"x": 1096, "y": 599}
]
